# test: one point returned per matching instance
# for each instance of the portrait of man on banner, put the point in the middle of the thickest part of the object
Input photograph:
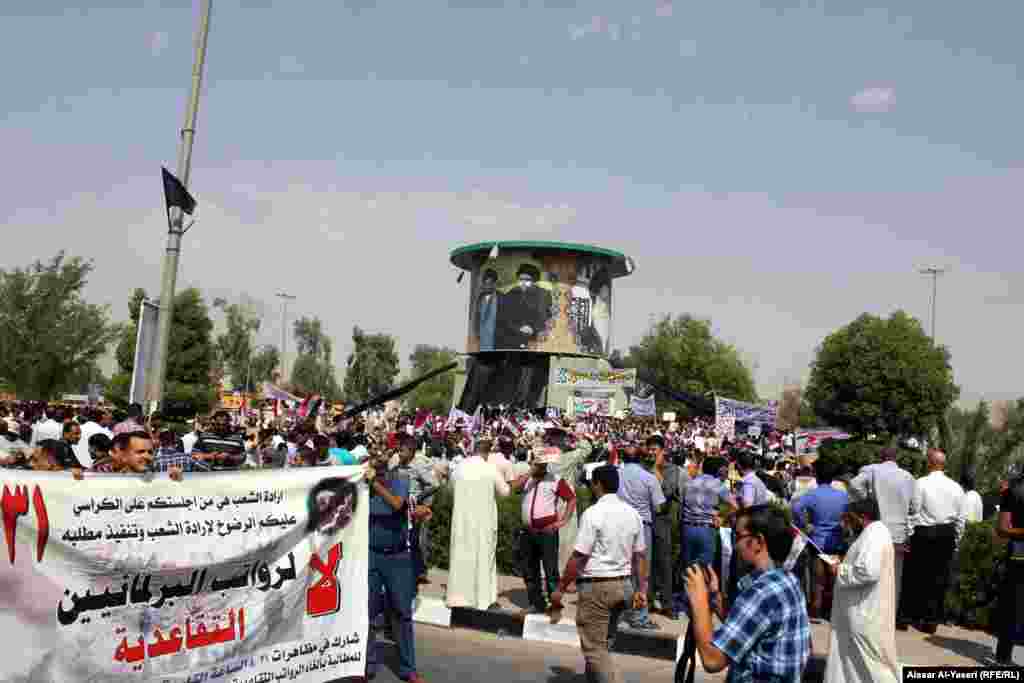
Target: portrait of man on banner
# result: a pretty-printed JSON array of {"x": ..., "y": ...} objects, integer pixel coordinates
[{"x": 525, "y": 310}]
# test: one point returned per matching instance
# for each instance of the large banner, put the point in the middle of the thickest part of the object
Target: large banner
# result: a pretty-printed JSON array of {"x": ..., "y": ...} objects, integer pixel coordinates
[
  {"x": 595, "y": 379},
  {"x": 557, "y": 302},
  {"x": 235, "y": 577},
  {"x": 764, "y": 415}
]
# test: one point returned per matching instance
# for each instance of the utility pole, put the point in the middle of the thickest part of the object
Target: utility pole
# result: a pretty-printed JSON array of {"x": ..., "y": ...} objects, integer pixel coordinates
[
  {"x": 285, "y": 298},
  {"x": 934, "y": 273},
  {"x": 174, "y": 230}
]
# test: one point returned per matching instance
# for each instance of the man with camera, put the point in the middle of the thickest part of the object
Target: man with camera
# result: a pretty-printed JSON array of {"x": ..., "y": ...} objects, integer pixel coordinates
[{"x": 765, "y": 634}]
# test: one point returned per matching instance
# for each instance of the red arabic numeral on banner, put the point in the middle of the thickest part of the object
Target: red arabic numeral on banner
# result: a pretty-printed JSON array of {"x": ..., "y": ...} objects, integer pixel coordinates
[
  {"x": 324, "y": 596},
  {"x": 42, "y": 523},
  {"x": 13, "y": 505}
]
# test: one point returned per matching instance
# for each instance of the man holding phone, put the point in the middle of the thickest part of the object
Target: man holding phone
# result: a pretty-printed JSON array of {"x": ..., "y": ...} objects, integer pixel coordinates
[
  {"x": 765, "y": 634},
  {"x": 609, "y": 548}
]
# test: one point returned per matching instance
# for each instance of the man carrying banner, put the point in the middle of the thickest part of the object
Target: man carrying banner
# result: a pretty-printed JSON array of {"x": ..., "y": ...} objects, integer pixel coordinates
[{"x": 392, "y": 582}]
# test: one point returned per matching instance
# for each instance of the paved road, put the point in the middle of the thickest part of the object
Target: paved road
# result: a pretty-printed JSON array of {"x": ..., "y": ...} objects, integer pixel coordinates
[{"x": 444, "y": 655}]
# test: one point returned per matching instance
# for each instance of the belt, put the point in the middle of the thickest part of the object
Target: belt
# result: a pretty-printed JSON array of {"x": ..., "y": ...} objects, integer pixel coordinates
[
  {"x": 601, "y": 579},
  {"x": 388, "y": 551},
  {"x": 708, "y": 525}
]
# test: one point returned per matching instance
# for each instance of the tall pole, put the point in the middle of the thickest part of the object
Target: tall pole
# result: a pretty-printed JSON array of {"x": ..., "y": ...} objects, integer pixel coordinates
[
  {"x": 174, "y": 231},
  {"x": 934, "y": 273},
  {"x": 285, "y": 298}
]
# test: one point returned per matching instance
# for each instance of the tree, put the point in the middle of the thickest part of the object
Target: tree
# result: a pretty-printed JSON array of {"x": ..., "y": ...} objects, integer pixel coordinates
[
  {"x": 373, "y": 365},
  {"x": 191, "y": 355},
  {"x": 436, "y": 393},
  {"x": 49, "y": 335},
  {"x": 981, "y": 447},
  {"x": 881, "y": 376},
  {"x": 264, "y": 363},
  {"x": 682, "y": 354},
  {"x": 313, "y": 370},
  {"x": 234, "y": 346}
]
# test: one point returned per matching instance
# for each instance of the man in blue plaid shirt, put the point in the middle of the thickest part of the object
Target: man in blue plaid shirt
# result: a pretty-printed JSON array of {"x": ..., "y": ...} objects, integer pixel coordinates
[{"x": 765, "y": 635}]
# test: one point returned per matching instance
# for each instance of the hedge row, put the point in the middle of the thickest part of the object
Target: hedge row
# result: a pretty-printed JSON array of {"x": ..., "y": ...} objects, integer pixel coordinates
[{"x": 509, "y": 522}]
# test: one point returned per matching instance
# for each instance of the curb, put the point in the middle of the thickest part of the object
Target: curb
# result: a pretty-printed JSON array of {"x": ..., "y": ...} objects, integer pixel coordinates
[{"x": 537, "y": 627}]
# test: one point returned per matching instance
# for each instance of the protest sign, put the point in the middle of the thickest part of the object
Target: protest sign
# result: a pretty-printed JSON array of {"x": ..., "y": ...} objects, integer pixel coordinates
[
  {"x": 749, "y": 413},
  {"x": 242, "y": 576},
  {"x": 642, "y": 407}
]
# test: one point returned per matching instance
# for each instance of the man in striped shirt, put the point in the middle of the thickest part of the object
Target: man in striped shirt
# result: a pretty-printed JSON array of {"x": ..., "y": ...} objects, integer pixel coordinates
[{"x": 221, "y": 449}]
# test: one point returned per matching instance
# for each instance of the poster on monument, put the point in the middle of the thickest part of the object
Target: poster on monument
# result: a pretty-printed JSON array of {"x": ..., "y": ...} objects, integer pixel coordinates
[{"x": 553, "y": 303}]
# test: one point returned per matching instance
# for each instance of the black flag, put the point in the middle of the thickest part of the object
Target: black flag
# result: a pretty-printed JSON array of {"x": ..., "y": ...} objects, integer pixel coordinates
[{"x": 175, "y": 193}]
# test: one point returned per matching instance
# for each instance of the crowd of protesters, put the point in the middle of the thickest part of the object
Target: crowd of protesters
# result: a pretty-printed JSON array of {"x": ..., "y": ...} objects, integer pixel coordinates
[{"x": 869, "y": 533}]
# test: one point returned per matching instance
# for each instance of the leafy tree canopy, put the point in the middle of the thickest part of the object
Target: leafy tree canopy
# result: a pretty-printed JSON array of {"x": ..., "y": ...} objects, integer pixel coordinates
[
  {"x": 373, "y": 365},
  {"x": 49, "y": 335},
  {"x": 235, "y": 346},
  {"x": 881, "y": 376},
  {"x": 191, "y": 356},
  {"x": 313, "y": 370},
  {"x": 436, "y": 393},
  {"x": 682, "y": 353}
]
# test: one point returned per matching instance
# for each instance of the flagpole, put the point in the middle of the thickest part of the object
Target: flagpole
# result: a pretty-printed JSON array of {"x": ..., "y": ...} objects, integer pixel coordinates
[{"x": 174, "y": 232}]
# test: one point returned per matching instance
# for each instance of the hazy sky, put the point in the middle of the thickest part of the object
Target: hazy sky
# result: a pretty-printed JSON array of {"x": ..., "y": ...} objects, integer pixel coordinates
[{"x": 779, "y": 167}]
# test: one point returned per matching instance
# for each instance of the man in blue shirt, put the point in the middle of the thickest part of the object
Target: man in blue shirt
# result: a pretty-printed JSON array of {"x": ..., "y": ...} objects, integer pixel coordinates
[
  {"x": 765, "y": 635},
  {"x": 392, "y": 580},
  {"x": 641, "y": 490},
  {"x": 700, "y": 501},
  {"x": 822, "y": 509}
]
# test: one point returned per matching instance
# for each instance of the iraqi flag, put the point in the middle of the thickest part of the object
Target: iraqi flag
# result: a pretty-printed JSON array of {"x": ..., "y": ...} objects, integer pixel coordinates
[{"x": 310, "y": 406}]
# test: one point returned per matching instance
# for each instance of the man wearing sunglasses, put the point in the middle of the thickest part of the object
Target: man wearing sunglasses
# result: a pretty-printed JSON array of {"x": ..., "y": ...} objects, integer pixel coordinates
[{"x": 765, "y": 634}]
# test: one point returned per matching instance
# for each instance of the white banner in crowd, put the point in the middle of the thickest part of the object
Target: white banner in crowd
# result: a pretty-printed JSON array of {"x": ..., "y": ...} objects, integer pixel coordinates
[
  {"x": 242, "y": 577},
  {"x": 145, "y": 350},
  {"x": 642, "y": 407}
]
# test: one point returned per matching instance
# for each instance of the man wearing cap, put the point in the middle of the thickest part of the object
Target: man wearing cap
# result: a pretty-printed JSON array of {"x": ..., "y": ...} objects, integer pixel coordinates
[
  {"x": 543, "y": 494},
  {"x": 418, "y": 469},
  {"x": 569, "y": 467},
  {"x": 473, "y": 568},
  {"x": 524, "y": 310}
]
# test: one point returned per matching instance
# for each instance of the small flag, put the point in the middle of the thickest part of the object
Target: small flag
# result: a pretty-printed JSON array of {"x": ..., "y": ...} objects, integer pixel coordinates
[{"x": 175, "y": 193}]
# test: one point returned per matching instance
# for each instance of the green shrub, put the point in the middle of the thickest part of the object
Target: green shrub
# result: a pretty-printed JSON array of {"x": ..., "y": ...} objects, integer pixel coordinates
[
  {"x": 848, "y": 456},
  {"x": 974, "y": 574},
  {"x": 509, "y": 521}
]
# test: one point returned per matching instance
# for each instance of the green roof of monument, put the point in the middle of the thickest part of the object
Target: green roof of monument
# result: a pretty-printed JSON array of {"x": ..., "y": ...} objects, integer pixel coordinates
[{"x": 467, "y": 257}]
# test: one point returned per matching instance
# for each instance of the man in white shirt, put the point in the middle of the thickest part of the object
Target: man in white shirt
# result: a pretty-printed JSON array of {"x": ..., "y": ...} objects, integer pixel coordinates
[
  {"x": 893, "y": 488},
  {"x": 609, "y": 548},
  {"x": 92, "y": 426},
  {"x": 935, "y": 526},
  {"x": 46, "y": 428}
]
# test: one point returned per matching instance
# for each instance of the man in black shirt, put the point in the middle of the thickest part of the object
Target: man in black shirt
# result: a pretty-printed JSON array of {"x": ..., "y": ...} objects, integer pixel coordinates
[
  {"x": 1011, "y": 595},
  {"x": 220, "y": 448}
]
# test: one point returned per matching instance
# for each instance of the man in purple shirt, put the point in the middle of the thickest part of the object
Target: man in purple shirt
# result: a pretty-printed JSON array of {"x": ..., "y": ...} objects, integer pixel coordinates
[{"x": 641, "y": 490}]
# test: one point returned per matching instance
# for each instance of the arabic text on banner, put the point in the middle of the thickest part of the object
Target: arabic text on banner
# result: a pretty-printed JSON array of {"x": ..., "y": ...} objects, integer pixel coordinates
[
  {"x": 242, "y": 577},
  {"x": 596, "y": 378},
  {"x": 642, "y": 407},
  {"x": 747, "y": 412}
]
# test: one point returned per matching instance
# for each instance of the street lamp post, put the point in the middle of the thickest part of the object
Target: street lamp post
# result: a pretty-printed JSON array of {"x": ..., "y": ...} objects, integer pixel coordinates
[
  {"x": 934, "y": 273},
  {"x": 175, "y": 231},
  {"x": 285, "y": 298}
]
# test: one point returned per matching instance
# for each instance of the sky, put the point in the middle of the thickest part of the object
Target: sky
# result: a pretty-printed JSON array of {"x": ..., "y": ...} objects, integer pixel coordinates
[{"x": 776, "y": 167}]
